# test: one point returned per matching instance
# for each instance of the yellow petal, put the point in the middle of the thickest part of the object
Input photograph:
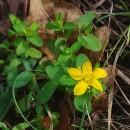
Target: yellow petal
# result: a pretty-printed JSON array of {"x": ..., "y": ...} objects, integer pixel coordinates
[
  {"x": 99, "y": 73},
  {"x": 87, "y": 68},
  {"x": 76, "y": 74},
  {"x": 96, "y": 84},
  {"x": 80, "y": 88}
]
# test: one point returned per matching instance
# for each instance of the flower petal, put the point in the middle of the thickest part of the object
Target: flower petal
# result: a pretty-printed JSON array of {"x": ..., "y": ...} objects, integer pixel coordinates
[
  {"x": 99, "y": 73},
  {"x": 96, "y": 84},
  {"x": 75, "y": 74},
  {"x": 80, "y": 88},
  {"x": 87, "y": 68}
]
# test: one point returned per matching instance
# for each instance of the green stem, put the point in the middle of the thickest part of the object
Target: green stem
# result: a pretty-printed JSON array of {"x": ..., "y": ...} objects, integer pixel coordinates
[
  {"x": 82, "y": 119},
  {"x": 114, "y": 14},
  {"x": 49, "y": 113},
  {"x": 123, "y": 34},
  {"x": 15, "y": 101},
  {"x": 28, "y": 68}
]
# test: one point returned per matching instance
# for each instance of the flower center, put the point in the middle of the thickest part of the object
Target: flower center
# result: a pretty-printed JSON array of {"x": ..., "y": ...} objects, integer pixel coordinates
[{"x": 88, "y": 78}]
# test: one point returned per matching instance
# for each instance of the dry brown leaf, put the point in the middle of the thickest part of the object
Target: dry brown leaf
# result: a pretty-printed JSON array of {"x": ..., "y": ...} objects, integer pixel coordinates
[
  {"x": 101, "y": 103},
  {"x": 108, "y": 80},
  {"x": 44, "y": 11}
]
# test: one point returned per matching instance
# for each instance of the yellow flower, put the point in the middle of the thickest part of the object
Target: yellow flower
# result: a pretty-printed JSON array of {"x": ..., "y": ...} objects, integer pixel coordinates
[{"x": 87, "y": 78}]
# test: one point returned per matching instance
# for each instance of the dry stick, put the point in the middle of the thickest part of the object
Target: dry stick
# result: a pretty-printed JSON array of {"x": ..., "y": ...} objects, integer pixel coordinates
[
  {"x": 123, "y": 76},
  {"x": 122, "y": 92},
  {"x": 8, "y": 124},
  {"x": 111, "y": 88},
  {"x": 90, "y": 121},
  {"x": 80, "y": 3},
  {"x": 113, "y": 126},
  {"x": 111, "y": 10},
  {"x": 121, "y": 107},
  {"x": 121, "y": 124},
  {"x": 99, "y": 3}
]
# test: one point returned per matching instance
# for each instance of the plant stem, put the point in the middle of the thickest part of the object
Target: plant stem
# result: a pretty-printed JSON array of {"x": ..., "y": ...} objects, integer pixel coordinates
[
  {"x": 123, "y": 34},
  {"x": 15, "y": 101},
  {"x": 49, "y": 113},
  {"x": 82, "y": 119}
]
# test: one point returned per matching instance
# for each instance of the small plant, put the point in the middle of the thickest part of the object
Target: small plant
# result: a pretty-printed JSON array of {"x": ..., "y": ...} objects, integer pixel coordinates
[{"x": 70, "y": 71}]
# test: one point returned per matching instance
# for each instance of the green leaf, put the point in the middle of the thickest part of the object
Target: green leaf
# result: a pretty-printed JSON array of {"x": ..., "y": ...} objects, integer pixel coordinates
[
  {"x": 3, "y": 126},
  {"x": 46, "y": 92},
  {"x": 67, "y": 80},
  {"x": 20, "y": 28},
  {"x": 25, "y": 22},
  {"x": 81, "y": 101},
  {"x": 68, "y": 33},
  {"x": 54, "y": 73},
  {"x": 62, "y": 59},
  {"x": 104, "y": 87},
  {"x": 85, "y": 20},
  {"x": 11, "y": 77},
  {"x": 24, "y": 103},
  {"x": 52, "y": 48},
  {"x": 63, "y": 48},
  {"x": 59, "y": 18},
  {"x": 14, "y": 63},
  {"x": 53, "y": 26},
  {"x": 75, "y": 47},
  {"x": 34, "y": 53},
  {"x": 21, "y": 126},
  {"x": 18, "y": 40},
  {"x": 4, "y": 45},
  {"x": 90, "y": 42},
  {"x": 97, "y": 65},
  {"x": 2, "y": 61},
  {"x": 36, "y": 40},
  {"x": 21, "y": 48},
  {"x": 81, "y": 59},
  {"x": 14, "y": 20},
  {"x": 89, "y": 105},
  {"x": 34, "y": 27},
  {"x": 94, "y": 91},
  {"x": 58, "y": 41},
  {"x": 23, "y": 79},
  {"x": 88, "y": 29},
  {"x": 55, "y": 123},
  {"x": 55, "y": 115},
  {"x": 70, "y": 89},
  {"x": 11, "y": 33},
  {"x": 69, "y": 26}
]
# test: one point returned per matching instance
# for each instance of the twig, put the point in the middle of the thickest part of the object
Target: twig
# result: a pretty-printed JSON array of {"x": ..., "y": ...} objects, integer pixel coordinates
[
  {"x": 122, "y": 107},
  {"x": 113, "y": 126},
  {"x": 111, "y": 9},
  {"x": 112, "y": 88},
  {"x": 99, "y": 3},
  {"x": 90, "y": 121},
  {"x": 122, "y": 92},
  {"x": 123, "y": 76}
]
